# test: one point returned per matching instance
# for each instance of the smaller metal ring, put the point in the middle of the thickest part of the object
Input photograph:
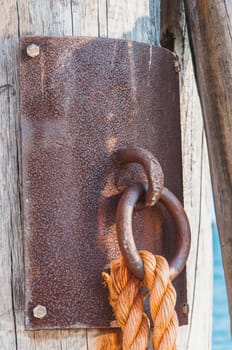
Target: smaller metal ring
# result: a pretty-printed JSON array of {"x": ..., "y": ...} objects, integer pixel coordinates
[
  {"x": 125, "y": 233},
  {"x": 151, "y": 167}
]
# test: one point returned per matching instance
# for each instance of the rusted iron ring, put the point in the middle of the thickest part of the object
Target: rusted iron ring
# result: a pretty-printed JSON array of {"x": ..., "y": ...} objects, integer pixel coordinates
[
  {"x": 151, "y": 167},
  {"x": 125, "y": 234}
]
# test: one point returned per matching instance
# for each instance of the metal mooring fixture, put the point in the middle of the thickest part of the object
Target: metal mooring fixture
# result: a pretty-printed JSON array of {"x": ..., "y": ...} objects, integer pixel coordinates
[{"x": 99, "y": 118}]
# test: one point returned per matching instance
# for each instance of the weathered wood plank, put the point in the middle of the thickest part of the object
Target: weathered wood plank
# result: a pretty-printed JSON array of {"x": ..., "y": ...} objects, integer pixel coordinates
[
  {"x": 44, "y": 17},
  {"x": 196, "y": 184},
  {"x": 10, "y": 271},
  {"x": 134, "y": 20},
  {"x": 85, "y": 17},
  {"x": 210, "y": 27},
  {"x": 137, "y": 20}
]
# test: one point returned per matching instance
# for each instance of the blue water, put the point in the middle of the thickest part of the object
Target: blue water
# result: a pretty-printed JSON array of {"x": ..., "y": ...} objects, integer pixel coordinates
[{"x": 221, "y": 324}]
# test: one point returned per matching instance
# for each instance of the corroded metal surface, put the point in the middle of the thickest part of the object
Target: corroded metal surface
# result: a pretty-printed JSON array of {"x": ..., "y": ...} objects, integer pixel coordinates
[
  {"x": 125, "y": 235},
  {"x": 81, "y": 100}
]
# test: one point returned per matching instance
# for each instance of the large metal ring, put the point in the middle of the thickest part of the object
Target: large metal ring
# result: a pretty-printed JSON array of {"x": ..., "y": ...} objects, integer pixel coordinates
[
  {"x": 151, "y": 167},
  {"x": 125, "y": 234}
]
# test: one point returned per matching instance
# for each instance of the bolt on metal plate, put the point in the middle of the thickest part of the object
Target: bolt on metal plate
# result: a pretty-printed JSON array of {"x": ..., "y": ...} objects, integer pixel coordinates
[
  {"x": 81, "y": 99},
  {"x": 39, "y": 311},
  {"x": 33, "y": 50}
]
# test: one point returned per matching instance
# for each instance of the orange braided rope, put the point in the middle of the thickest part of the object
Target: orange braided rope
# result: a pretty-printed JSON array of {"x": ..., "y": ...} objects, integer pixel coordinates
[{"x": 127, "y": 301}]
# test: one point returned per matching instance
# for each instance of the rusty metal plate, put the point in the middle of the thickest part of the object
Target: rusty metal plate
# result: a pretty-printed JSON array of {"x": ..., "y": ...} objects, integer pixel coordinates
[{"x": 81, "y": 99}]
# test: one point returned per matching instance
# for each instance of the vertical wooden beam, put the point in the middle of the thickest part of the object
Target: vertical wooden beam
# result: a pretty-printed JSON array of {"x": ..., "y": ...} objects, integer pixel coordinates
[
  {"x": 210, "y": 28},
  {"x": 197, "y": 185}
]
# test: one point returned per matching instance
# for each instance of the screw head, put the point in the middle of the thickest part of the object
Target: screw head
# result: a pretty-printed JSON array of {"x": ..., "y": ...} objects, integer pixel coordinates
[
  {"x": 33, "y": 50},
  {"x": 39, "y": 311},
  {"x": 185, "y": 309}
]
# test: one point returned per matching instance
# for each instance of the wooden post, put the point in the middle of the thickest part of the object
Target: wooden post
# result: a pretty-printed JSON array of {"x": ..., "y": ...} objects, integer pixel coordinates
[
  {"x": 132, "y": 19},
  {"x": 210, "y": 27}
]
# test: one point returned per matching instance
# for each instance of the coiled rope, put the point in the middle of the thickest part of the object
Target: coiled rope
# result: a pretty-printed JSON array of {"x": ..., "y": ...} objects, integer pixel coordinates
[{"x": 126, "y": 296}]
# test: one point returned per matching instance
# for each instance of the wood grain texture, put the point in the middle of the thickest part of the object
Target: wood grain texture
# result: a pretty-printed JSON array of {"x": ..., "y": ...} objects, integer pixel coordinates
[
  {"x": 210, "y": 27},
  {"x": 132, "y": 19},
  {"x": 196, "y": 184}
]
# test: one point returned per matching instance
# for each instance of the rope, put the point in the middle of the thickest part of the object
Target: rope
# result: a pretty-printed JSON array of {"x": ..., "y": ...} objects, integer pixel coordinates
[{"x": 126, "y": 297}]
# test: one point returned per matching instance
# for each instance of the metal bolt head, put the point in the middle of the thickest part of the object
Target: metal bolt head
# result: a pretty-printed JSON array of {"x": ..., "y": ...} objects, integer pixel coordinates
[
  {"x": 39, "y": 311},
  {"x": 33, "y": 50},
  {"x": 185, "y": 309},
  {"x": 177, "y": 66}
]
